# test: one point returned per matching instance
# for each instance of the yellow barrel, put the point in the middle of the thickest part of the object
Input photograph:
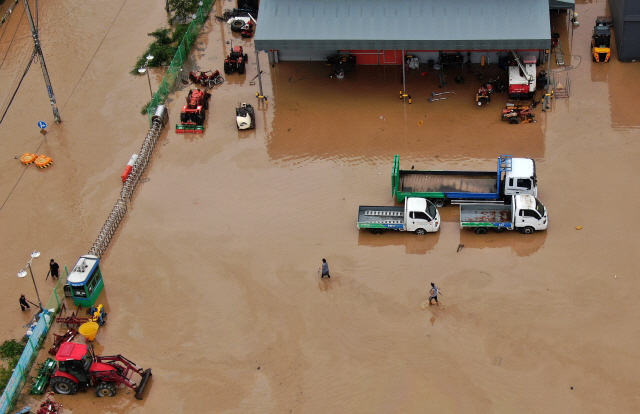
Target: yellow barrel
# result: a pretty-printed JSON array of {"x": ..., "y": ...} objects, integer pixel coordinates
[{"x": 89, "y": 330}]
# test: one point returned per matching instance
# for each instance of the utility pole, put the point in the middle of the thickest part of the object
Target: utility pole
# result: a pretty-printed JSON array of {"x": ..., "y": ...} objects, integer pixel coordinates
[{"x": 38, "y": 51}]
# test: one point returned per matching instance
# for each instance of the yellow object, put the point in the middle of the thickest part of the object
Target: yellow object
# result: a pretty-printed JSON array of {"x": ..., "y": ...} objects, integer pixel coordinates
[
  {"x": 89, "y": 330},
  {"x": 96, "y": 314},
  {"x": 579, "y": 228},
  {"x": 27, "y": 158},
  {"x": 420, "y": 122},
  {"x": 482, "y": 60}
]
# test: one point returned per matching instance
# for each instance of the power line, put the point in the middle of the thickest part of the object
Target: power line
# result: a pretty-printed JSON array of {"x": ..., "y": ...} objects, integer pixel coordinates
[
  {"x": 12, "y": 39},
  {"x": 18, "y": 87}
]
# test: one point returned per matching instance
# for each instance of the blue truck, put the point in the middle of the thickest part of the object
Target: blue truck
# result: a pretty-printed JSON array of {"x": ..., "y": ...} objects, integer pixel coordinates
[{"x": 513, "y": 176}]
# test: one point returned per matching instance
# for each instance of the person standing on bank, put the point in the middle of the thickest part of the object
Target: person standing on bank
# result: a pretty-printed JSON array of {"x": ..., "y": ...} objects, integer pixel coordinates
[
  {"x": 434, "y": 292},
  {"x": 325, "y": 269},
  {"x": 53, "y": 266},
  {"x": 23, "y": 303}
]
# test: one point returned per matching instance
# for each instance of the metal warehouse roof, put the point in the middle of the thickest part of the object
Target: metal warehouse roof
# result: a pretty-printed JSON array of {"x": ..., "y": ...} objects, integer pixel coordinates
[
  {"x": 562, "y": 4},
  {"x": 403, "y": 24}
]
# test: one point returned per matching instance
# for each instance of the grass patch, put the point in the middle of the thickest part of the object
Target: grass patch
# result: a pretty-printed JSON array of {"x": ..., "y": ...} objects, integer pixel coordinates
[{"x": 10, "y": 352}]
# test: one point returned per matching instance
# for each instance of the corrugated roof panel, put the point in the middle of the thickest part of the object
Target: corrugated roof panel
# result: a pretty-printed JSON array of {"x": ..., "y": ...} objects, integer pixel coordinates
[{"x": 403, "y": 24}]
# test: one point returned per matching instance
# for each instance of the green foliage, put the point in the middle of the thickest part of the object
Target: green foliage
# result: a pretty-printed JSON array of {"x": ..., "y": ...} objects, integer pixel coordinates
[
  {"x": 10, "y": 352},
  {"x": 182, "y": 9},
  {"x": 163, "y": 48},
  {"x": 11, "y": 349},
  {"x": 143, "y": 111}
]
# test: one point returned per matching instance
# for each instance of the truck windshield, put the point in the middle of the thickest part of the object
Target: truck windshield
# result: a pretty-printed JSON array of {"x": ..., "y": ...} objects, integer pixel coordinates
[
  {"x": 540, "y": 208},
  {"x": 431, "y": 209}
]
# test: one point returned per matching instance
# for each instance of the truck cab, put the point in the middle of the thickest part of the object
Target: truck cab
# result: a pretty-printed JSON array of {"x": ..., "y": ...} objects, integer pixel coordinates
[
  {"x": 521, "y": 178},
  {"x": 529, "y": 214},
  {"x": 420, "y": 215}
]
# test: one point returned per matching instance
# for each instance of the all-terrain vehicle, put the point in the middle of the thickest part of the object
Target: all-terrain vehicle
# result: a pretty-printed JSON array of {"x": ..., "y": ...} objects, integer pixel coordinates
[
  {"x": 235, "y": 61},
  {"x": 245, "y": 116},
  {"x": 79, "y": 366}
]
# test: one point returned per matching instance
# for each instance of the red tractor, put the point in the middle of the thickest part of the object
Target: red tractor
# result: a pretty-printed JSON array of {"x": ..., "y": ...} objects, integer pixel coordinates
[
  {"x": 235, "y": 61},
  {"x": 193, "y": 112},
  {"x": 79, "y": 366}
]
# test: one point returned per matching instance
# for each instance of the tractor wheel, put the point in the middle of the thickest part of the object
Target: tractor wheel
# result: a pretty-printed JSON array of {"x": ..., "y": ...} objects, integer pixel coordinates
[
  {"x": 513, "y": 121},
  {"x": 245, "y": 58},
  {"x": 227, "y": 68},
  {"x": 237, "y": 25},
  {"x": 205, "y": 104},
  {"x": 63, "y": 385},
  {"x": 241, "y": 68},
  {"x": 183, "y": 117},
  {"x": 200, "y": 119},
  {"x": 105, "y": 389}
]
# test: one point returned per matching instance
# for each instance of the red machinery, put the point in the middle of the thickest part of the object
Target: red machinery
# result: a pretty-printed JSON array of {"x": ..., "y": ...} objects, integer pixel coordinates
[
  {"x": 192, "y": 115},
  {"x": 484, "y": 94},
  {"x": 206, "y": 79},
  {"x": 79, "y": 366},
  {"x": 60, "y": 339},
  {"x": 235, "y": 61}
]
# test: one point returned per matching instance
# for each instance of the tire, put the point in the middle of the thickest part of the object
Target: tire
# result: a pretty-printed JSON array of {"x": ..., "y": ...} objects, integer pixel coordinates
[
  {"x": 527, "y": 230},
  {"x": 245, "y": 58},
  {"x": 105, "y": 389},
  {"x": 513, "y": 120},
  {"x": 63, "y": 385},
  {"x": 481, "y": 230},
  {"x": 241, "y": 68},
  {"x": 227, "y": 68},
  {"x": 205, "y": 104},
  {"x": 237, "y": 25},
  {"x": 377, "y": 231},
  {"x": 421, "y": 232},
  {"x": 183, "y": 117},
  {"x": 439, "y": 202}
]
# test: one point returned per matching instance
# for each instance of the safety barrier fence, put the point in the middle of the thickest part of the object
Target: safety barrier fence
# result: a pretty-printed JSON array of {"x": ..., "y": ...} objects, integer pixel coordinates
[
  {"x": 169, "y": 80},
  {"x": 22, "y": 370}
]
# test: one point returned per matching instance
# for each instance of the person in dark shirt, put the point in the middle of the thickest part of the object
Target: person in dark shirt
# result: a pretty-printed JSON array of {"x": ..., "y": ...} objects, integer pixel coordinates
[
  {"x": 23, "y": 303},
  {"x": 325, "y": 269},
  {"x": 53, "y": 266}
]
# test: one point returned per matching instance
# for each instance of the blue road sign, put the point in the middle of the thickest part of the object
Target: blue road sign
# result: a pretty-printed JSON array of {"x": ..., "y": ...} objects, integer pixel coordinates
[{"x": 42, "y": 125}]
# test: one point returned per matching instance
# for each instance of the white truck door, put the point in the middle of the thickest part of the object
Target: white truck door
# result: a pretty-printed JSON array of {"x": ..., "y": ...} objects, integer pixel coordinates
[
  {"x": 420, "y": 220},
  {"x": 530, "y": 218}
]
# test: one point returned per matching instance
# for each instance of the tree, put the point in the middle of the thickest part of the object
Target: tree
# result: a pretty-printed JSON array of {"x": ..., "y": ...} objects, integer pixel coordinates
[{"x": 182, "y": 9}]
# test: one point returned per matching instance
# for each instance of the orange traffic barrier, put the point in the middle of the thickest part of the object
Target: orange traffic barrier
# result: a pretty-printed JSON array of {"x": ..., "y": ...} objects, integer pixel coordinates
[
  {"x": 27, "y": 158},
  {"x": 43, "y": 161}
]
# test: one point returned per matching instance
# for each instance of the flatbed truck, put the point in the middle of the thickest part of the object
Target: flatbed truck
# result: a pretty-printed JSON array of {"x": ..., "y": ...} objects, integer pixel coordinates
[
  {"x": 525, "y": 213},
  {"x": 418, "y": 215},
  {"x": 513, "y": 176}
]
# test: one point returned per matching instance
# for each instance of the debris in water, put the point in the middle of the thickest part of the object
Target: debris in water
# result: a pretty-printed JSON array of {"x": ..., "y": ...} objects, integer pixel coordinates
[
  {"x": 460, "y": 247},
  {"x": 579, "y": 228},
  {"x": 420, "y": 122}
]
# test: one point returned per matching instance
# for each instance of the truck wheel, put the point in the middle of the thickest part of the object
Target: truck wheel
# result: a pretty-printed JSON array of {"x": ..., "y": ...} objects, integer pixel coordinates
[
  {"x": 421, "y": 232},
  {"x": 481, "y": 230},
  {"x": 439, "y": 202},
  {"x": 377, "y": 231},
  {"x": 527, "y": 230},
  {"x": 106, "y": 389},
  {"x": 63, "y": 385}
]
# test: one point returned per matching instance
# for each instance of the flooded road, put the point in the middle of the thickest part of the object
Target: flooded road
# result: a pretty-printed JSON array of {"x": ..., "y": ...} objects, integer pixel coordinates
[{"x": 212, "y": 280}]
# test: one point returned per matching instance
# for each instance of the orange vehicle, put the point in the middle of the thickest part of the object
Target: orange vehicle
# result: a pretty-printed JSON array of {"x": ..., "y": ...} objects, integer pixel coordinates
[{"x": 601, "y": 40}]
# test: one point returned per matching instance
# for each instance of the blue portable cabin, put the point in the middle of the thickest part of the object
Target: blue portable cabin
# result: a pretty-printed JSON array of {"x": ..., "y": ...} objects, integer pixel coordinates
[{"x": 86, "y": 281}]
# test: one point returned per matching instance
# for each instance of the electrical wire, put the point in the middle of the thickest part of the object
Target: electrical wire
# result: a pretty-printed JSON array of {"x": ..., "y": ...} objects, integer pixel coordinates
[
  {"x": 8, "y": 13},
  {"x": 18, "y": 87},
  {"x": 12, "y": 39}
]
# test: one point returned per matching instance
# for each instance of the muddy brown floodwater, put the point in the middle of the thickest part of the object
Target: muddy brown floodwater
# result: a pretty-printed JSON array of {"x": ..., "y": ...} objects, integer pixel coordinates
[{"x": 212, "y": 279}]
